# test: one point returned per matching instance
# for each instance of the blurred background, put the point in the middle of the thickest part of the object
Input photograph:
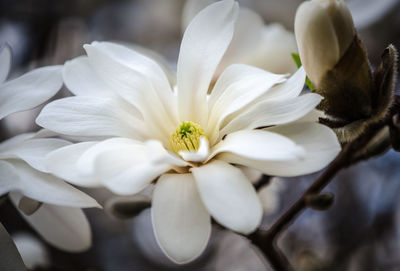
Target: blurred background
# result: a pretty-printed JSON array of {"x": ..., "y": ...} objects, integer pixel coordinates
[{"x": 361, "y": 231}]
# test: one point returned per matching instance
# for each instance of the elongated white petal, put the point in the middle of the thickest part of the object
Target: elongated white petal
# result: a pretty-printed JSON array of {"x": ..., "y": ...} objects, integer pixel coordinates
[
  {"x": 34, "y": 151},
  {"x": 126, "y": 166},
  {"x": 128, "y": 169},
  {"x": 66, "y": 228},
  {"x": 134, "y": 180},
  {"x": 87, "y": 160},
  {"x": 318, "y": 141},
  {"x": 198, "y": 156},
  {"x": 247, "y": 38},
  {"x": 274, "y": 50},
  {"x": 229, "y": 196},
  {"x": 313, "y": 116},
  {"x": 165, "y": 65},
  {"x": 33, "y": 251},
  {"x": 14, "y": 141},
  {"x": 259, "y": 145},
  {"x": 63, "y": 163},
  {"x": 90, "y": 116},
  {"x": 190, "y": 10},
  {"x": 273, "y": 112},
  {"x": 147, "y": 67},
  {"x": 181, "y": 223},
  {"x": 81, "y": 80},
  {"x": 8, "y": 177},
  {"x": 290, "y": 88},
  {"x": 238, "y": 86},
  {"x": 156, "y": 152},
  {"x": 134, "y": 86},
  {"x": 252, "y": 174},
  {"x": 5, "y": 62},
  {"x": 204, "y": 43},
  {"x": 29, "y": 90},
  {"x": 41, "y": 186}
]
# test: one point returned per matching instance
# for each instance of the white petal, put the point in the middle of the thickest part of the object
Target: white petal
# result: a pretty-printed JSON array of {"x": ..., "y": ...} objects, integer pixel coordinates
[
  {"x": 246, "y": 40},
  {"x": 252, "y": 174},
  {"x": 5, "y": 62},
  {"x": 290, "y": 88},
  {"x": 164, "y": 64},
  {"x": 41, "y": 186},
  {"x": 80, "y": 78},
  {"x": 128, "y": 169},
  {"x": 15, "y": 141},
  {"x": 259, "y": 145},
  {"x": 33, "y": 151},
  {"x": 29, "y": 90},
  {"x": 247, "y": 37},
  {"x": 190, "y": 10},
  {"x": 137, "y": 86},
  {"x": 90, "y": 116},
  {"x": 274, "y": 50},
  {"x": 198, "y": 156},
  {"x": 204, "y": 43},
  {"x": 44, "y": 133},
  {"x": 86, "y": 162},
  {"x": 63, "y": 164},
  {"x": 270, "y": 195},
  {"x": 32, "y": 250},
  {"x": 181, "y": 223},
  {"x": 66, "y": 228},
  {"x": 237, "y": 86},
  {"x": 8, "y": 177},
  {"x": 273, "y": 112},
  {"x": 147, "y": 67},
  {"x": 313, "y": 116},
  {"x": 134, "y": 180},
  {"x": 229, "y": 196},
  {"x": 319, "y": 142}
]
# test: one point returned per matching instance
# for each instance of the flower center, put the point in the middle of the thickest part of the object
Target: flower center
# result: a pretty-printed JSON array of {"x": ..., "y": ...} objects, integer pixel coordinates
[{"x": 187, "y": 137}]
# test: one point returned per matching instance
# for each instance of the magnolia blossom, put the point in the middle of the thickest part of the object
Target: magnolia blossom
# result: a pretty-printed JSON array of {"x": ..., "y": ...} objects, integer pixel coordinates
[
  {"x": 192, "y": 145},
  {"x": 59, "y": 219},
  {"x": 324, "y": 31},
  {"x": 267, "y": 47}
]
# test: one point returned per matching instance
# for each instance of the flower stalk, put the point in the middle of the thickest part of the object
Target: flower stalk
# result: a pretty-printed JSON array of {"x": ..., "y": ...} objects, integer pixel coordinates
[{"x": 352, "y": 153}]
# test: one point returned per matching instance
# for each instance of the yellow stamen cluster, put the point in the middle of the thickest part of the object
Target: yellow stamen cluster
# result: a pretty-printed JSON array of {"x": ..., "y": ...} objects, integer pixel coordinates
[{"x": 187, "y": 137}]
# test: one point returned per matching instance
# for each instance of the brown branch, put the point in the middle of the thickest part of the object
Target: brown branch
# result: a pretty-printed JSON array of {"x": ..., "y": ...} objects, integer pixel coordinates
[{"x": 266, "y": 240}]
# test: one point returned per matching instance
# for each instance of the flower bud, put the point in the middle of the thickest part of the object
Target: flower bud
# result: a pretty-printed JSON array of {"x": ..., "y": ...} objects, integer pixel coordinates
[
  {"x": 320, "y": 202},
  {"x": 334, "y": 59},
  {"x": 324, "y": 31}
]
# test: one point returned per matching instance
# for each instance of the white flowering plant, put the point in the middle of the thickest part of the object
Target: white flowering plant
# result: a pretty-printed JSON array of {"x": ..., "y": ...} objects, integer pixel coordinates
[{"x": 198, "y": 143}]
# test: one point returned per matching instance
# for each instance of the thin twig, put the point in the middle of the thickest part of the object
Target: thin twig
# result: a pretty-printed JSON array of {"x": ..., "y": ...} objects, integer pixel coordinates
[{"x": 266, "y": 240}]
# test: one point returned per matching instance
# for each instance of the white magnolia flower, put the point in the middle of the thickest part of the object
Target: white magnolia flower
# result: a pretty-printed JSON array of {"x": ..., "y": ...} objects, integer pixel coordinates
[
  {"x": 192, "y": 140},
  {"x": 267, "y": 47},
  {"x": 60, "y": 221}
]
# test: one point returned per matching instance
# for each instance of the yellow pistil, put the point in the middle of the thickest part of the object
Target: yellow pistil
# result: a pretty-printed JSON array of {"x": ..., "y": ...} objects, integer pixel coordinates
[{"x": 187, "y": 137}]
